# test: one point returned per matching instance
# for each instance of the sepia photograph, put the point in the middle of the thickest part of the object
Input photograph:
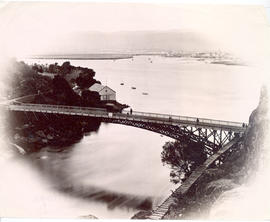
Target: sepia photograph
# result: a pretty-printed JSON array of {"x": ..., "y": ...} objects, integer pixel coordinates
[{"x": 134, "y": 110}]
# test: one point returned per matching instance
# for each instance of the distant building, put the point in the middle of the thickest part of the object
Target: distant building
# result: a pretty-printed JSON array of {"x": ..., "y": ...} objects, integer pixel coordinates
[{"x": 105, "y": 92}]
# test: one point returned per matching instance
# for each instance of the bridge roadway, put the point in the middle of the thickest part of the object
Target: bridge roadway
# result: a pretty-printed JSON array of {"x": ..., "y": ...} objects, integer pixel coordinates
[{"x": 167, "y": 119}]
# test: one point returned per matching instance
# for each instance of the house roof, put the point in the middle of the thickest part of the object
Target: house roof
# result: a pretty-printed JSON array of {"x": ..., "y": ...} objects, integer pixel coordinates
[{"x": 98, "y": 87}]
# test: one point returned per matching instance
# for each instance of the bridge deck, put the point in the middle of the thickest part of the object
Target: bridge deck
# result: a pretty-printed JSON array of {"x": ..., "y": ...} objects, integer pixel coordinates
[{"x": 136, "y": 116}]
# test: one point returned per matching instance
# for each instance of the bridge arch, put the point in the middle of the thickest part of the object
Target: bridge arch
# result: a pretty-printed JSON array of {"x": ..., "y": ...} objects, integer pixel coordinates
[{"x": 213, "y": 133}]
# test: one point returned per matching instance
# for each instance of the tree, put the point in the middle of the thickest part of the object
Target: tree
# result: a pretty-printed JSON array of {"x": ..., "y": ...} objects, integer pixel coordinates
[
  {"x": 65, "y": 68},
  {"x": 63, "y": 93},
  {"x": 90, "y": 98},
  {"x": 37, "y": 68},
  {"x": 183, "y": 157},
  {"x": 85, "y": 79},
  {"x": 53, "y": 68}
]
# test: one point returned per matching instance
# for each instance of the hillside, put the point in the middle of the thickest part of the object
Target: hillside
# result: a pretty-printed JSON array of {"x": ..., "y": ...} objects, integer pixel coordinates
[{"x": 238, "y": 168}]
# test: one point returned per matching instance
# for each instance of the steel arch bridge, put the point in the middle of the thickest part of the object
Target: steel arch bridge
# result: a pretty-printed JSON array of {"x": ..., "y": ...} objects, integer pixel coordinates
[{"x": 213, "y": 133}]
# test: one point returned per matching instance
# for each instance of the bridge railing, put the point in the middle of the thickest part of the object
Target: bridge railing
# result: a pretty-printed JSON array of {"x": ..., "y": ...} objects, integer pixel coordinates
[
  {"x": 186, "y": 118},
  {"x": 63, "y": 107},
  {"x": 166, "y": 117}
]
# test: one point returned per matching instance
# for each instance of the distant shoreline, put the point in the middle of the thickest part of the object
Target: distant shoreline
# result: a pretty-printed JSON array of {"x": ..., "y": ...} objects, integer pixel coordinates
[
  {"x": 84, "y": 57},
  {"x": 112, "y": 56},
  {"x": 98, "y": 56},
  {"x": 80, "y": 58}
]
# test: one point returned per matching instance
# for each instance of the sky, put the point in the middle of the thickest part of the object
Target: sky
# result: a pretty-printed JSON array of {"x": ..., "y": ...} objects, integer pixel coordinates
[{"x": 39, "y": 27}]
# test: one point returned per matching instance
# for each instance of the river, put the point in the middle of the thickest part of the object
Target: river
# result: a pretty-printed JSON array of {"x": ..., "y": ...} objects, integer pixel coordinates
[{"x": 124, "y": 160}]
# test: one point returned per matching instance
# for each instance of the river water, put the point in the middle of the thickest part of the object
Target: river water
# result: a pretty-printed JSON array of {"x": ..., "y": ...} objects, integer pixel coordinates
[{"x": 124, "y": 160}]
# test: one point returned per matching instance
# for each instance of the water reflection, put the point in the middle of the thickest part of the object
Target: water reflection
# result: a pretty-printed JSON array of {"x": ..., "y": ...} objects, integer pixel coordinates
[{"x": 51, "y": 164}]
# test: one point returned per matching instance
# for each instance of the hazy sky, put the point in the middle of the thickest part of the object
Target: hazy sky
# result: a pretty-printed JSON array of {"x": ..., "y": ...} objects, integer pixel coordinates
[{"x": 36, "y": 27}]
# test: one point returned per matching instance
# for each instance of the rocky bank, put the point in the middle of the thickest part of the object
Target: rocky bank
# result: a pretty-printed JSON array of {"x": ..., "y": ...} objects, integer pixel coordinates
[{"x": 239, "y": 167}]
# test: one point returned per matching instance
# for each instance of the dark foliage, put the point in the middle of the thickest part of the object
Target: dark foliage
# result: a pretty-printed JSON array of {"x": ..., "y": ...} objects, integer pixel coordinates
[
  {"x": 35, "y": 131},
  {"x": 90, "y": 98},
  {"x": 63, "y": 93},
  {"x": 37, "y": 68},
  {"x": 183, "y": 158},
  {"x": 86, "y": 80},
  {"x": 24, "y": 80},
  {"x": 53, "y": 68},
  {"x": 65, "y": 68}
]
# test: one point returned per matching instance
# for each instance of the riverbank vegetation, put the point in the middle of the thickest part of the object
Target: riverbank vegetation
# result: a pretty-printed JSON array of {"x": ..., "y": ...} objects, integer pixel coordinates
[
  {"x": 182, "y": 157},
  {"x": 32, "y": 131}
]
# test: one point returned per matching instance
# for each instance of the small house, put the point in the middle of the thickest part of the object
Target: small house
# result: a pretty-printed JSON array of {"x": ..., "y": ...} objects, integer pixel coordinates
[{"x": 105, "y": 92}]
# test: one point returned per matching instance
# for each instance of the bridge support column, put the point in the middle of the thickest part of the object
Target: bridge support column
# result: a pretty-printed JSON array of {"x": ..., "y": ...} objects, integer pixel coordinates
[
  {"x": 214, "y": 132},
  {"x": 230, "y": 135},
  {"x": 220, "y": 138},
  {"x": 200, "y": 133}
]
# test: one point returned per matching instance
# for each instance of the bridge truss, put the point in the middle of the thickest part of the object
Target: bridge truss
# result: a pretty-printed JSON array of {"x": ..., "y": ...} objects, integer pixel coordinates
[
  {"x": 214, "y": 134},
  {"x": 213, "y": 139}
]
